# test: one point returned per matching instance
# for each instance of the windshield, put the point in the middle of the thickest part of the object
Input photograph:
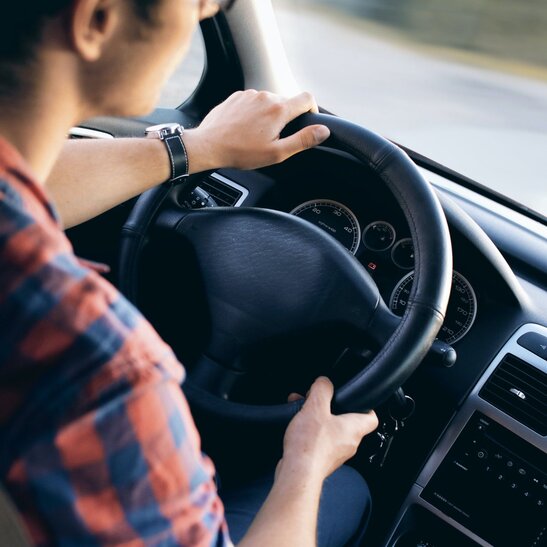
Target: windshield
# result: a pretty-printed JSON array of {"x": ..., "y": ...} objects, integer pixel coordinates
[{"x": 463, "y": 83}]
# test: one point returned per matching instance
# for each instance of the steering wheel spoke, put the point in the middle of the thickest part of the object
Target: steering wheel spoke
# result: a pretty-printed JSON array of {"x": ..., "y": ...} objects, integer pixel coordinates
[
  {"x": 214, "y": 378},
  {"x": 382, "y": 325}
]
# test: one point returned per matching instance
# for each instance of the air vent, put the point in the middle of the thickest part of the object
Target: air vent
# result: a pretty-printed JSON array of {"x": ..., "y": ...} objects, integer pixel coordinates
[
  {"x": 224, "y": 191},
  {"x": 520, "y": 390}
]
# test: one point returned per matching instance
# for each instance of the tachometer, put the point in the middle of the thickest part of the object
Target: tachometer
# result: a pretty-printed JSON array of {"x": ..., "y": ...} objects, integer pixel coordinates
[
  {"x": 334, "y": 218},
  {"x": 462, "y": 306}
]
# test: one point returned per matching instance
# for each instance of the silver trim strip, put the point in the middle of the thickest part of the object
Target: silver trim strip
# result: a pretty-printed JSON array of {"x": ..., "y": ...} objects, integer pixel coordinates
[
  {"x": 244, "y": 191},
  {"x": 85, "y": 133},
  {"x": 475, "y": 403}
]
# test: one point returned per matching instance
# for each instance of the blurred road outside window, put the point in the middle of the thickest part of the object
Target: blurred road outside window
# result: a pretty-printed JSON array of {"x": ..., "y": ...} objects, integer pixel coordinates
[{"x": 461, "y": 81}]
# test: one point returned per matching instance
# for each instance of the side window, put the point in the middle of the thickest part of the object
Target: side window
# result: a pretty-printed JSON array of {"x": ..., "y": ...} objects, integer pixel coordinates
[{"x": 187, "y": 75}]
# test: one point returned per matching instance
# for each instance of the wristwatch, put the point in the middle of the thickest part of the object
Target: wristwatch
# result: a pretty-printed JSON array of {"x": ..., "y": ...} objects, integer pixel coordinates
[{"x": 171, "y": 135}]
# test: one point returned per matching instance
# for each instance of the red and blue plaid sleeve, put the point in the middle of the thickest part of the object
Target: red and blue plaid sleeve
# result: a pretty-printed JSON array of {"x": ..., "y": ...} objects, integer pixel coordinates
[{"x": 98, "y": 446}]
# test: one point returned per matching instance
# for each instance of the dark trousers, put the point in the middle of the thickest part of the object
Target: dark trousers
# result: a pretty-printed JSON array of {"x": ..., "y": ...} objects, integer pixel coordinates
[{"x": 343, "y": 513}]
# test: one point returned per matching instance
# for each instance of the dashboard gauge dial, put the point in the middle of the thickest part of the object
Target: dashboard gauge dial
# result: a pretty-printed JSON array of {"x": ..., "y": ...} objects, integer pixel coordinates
[
  {"x": 461, "y": 311},
  {"x": 379, "y": 236},
  {"x": 402, "y": 254},
  {"x": 334, "y": 218}
]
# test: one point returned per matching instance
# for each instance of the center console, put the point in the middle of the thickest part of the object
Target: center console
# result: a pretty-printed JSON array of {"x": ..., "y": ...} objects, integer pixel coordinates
[{"x": 486, "y": 482}]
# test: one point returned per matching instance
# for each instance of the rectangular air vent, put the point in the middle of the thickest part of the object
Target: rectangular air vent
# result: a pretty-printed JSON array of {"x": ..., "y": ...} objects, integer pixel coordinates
[
  {"x": 520, "y": 390},
  {"x": 224, "y": 191}
]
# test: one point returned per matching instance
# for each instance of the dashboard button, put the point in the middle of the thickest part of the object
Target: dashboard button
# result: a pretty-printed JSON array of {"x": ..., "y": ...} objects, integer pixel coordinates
[{"x": 534, "y": 342}]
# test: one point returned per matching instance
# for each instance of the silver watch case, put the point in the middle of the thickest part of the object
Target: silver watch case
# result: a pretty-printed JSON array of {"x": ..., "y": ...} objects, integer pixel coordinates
[{"x": 164, "y": 130}]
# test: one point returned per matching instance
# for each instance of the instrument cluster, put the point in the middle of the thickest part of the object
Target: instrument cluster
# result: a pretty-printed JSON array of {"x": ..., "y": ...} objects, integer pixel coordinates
[{"x": 389, "y": 258}]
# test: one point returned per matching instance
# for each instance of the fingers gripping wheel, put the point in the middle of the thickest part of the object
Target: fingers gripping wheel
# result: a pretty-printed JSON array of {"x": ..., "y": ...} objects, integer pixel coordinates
[{"x": 251, "y": 258}]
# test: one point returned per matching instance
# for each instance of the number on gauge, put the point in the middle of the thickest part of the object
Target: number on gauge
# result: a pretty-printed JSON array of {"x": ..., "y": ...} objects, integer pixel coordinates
[
  {"x": 334, "y": 218},
  {"x": 461, "y": 311}
]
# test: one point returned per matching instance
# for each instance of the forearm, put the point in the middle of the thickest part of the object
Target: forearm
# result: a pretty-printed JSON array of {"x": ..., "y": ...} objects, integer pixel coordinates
[
  {"x": 92, "y": 176},
  {"x": 289, "y": 514}
]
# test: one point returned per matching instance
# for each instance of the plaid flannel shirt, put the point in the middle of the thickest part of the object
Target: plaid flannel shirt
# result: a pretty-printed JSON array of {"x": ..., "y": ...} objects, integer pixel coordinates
[{"x": 97, "y": 444}]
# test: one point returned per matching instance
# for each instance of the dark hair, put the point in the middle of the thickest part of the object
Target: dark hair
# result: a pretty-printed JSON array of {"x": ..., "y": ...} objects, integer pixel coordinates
[{"x": 21, "y": 24}]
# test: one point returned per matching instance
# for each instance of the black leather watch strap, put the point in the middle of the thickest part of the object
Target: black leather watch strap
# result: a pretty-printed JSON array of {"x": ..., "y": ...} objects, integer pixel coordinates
[
  {"x": 171, "y": 135},
  {"x": 178, "y": 156}
]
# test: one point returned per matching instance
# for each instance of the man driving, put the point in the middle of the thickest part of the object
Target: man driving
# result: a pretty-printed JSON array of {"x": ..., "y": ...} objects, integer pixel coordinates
[{"x": 98, "y": 446}]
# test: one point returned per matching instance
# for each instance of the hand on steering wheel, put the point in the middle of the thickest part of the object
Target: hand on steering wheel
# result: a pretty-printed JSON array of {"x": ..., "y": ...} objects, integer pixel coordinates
[{"x": 262, "y": 272}]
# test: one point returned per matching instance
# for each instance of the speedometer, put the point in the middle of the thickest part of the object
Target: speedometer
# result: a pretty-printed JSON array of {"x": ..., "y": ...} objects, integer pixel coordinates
[
  {"x": 461, "y": 311},
  {"x": 334, "y": 218}
]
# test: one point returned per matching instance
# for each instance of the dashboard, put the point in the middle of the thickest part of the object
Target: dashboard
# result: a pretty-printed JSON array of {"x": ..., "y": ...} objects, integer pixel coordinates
[{"x": 441, "y": 507}]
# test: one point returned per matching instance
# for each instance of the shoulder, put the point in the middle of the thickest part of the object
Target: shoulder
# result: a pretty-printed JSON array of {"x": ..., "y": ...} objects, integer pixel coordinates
[{"x": 64, "y": 327}]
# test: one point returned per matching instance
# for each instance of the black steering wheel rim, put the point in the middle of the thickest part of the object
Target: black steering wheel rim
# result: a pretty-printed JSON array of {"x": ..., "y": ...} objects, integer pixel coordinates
[{"x": 411, "y": 339}]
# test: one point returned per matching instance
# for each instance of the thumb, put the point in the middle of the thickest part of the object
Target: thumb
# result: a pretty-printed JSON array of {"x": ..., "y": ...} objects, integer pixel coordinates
[
  {"x": 321, "y": 393},
  {"x": 302, "y": 140}
]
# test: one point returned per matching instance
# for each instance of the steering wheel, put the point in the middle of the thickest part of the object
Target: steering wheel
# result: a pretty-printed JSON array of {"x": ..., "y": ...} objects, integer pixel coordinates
[{"x": 262, "y": 272}]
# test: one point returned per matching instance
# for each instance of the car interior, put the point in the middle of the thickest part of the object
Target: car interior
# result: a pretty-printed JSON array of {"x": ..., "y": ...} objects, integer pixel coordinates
[{"x": 340, "y": 262}]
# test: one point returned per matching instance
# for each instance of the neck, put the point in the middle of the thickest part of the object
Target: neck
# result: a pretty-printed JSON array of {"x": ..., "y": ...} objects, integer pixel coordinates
[{"x": 36, "y": 123}]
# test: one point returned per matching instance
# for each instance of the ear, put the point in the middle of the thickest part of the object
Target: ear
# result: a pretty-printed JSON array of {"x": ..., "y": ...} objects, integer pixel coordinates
[{"x": 93, "y": 22}]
